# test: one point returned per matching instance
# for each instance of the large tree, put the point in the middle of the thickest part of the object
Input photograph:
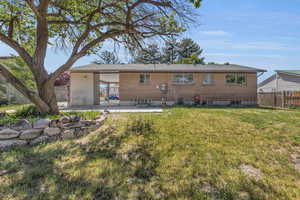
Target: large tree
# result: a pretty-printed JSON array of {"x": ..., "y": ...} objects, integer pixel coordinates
[{"x": 31, "y": 26}]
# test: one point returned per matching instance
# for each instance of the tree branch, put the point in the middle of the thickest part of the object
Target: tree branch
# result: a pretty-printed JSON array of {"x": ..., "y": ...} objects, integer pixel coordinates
[
  {"x": 16, "y": 46},
  {"x": 33, "y": 8},
  {"x": 84, "y": 51},
  {"x": 10, "y": 78}
]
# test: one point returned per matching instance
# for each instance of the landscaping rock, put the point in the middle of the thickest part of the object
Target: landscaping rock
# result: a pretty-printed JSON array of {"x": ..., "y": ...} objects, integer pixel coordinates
[
  {"x": 42, "y": 123},
  {"x": 39, "y": 140},
  {"x": 2, "y": 114},
  {"x": 44, "y": 130},
  {"x": 53, "y": 123},
  {"x": 101, "y": 119},
  {"x": 251, "y": 171},
  {"x": 30, "y": 134},
  {"x": 65, "y": 119},
  {"x": 56, "y": 123},
  {"x": 75, "y": 118},
  {"x": 3, "y": 126},
  {"x": 52, "y": 131},
  {"x": 88, "y": 122},
  {"x": 8, "y": 134},
  {"x": 22, "y": 125},
  {"x": 67, "y": 134},
  {"x": 7, "y": 144},
  {"x": 73, "y": 125},
  {"x": 91, "y": 128}
]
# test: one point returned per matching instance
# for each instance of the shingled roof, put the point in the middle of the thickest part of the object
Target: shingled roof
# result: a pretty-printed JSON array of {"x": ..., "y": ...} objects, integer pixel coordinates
[
  {"x": 164, "y": 68},
  {"x": 289, "y": 72}
]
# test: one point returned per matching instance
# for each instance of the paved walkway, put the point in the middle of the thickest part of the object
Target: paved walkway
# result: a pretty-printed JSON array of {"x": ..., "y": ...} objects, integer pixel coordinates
[{"x": 114, "y": 109}]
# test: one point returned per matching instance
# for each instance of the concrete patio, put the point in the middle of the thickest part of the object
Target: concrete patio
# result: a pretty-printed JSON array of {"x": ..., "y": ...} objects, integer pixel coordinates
[{"x": 113, "y": 109}]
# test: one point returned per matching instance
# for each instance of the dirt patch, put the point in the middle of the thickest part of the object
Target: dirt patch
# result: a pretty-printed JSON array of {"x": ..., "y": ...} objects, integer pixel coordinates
[
  {"x": 296, "y": 161},
  {"x": 251, "y": 171},
  {"x": 118, "y": 116}
]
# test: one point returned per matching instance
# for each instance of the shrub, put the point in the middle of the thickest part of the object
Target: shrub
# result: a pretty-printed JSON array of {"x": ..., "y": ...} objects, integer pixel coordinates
[
  {"x": 27, "y": 111},
  {"x": 90, "y": 115}
]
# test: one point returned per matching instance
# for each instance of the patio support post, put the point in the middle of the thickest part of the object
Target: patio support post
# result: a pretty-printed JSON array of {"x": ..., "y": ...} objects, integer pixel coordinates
[{"x": 96, "y": 89}]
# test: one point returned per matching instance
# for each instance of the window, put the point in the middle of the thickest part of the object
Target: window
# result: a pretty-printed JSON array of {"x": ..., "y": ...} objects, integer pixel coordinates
[
  {"x": 241, "y": 79},
  {"x": 208, "y": 79},
  {"x": 236, "y": 78},
  {"x": 183, "y": 78},
  {"x": 144, "y": 78}
]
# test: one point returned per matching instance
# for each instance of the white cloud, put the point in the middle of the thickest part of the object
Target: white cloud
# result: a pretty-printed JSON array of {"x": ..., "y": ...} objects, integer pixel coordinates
[{"x": 215, "y": 33}]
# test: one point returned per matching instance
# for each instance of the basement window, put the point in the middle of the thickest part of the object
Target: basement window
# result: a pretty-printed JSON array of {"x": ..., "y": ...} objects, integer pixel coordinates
[{"x": 144, "y": 78}]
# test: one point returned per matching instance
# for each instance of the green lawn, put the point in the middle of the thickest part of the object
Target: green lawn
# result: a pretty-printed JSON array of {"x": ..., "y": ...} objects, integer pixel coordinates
[
  {"x": 183, "y": 153},
  {"x": 4, "y": 108},
  {"x": 31, "y": 114}
]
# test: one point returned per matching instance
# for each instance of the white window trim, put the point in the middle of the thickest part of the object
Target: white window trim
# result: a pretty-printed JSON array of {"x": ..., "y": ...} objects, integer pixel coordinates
[
  {"x": 182, "y": 83},
  {"x": 147, "y": 80},
  {"x": 212, "y": 81},
  {"x": 236, "y": 83}
]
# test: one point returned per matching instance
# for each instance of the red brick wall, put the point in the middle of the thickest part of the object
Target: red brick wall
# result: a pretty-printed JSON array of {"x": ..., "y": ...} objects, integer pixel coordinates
[{"x": 130, "y": 88}]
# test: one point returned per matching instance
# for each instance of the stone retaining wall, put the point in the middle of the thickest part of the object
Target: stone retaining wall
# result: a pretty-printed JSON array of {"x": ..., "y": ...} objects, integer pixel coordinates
[{"x": 25, "y": 133}]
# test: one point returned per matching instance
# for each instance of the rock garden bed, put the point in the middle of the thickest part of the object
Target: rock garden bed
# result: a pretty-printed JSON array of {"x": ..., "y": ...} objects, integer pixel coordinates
[{"x": 25, "y": 133}]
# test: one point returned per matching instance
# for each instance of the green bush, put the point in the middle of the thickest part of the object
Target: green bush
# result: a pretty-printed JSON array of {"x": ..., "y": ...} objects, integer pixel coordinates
[{"x": 27, "y": 111}]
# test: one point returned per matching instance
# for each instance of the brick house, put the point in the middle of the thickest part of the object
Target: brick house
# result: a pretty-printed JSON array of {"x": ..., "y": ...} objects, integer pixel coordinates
[{"x": 163, "y": 84}]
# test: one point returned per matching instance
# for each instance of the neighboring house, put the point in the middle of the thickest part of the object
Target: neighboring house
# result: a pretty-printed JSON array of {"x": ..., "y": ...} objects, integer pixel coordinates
[
  {"x": 162, "y": 83},
  {"x": 282, "y": 80}
]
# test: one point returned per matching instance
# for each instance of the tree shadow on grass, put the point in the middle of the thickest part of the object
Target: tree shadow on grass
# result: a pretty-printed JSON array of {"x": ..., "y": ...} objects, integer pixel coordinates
[
  {"x": 222, "y": 107},
  {"x": 104, "y": 167},
  {"x": 44, "y": 172}
]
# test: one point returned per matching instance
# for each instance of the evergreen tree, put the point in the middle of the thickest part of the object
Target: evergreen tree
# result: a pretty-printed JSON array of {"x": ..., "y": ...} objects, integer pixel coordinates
[
  {"x": 148, "y": 55},
  {"x": 170, "y": 51},
  {"x": 187, "y": 47},
  {"x": 107, "y": 57}
]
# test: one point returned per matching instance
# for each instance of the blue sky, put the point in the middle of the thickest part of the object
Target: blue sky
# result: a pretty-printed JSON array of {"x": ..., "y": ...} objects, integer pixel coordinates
[{"x": 257, "y": 33}]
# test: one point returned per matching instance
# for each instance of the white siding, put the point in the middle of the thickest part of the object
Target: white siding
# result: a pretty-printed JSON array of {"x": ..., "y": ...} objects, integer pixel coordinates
[
  {"x": 269, "y": 85},
  {"x": 283, "y": 83},
  {"x": 82, "y": 89},
  {"x": 288, "y": 82}
]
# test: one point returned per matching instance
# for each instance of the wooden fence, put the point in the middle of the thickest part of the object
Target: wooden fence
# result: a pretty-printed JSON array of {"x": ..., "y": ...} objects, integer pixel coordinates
[{"x": 284, "y": 99}]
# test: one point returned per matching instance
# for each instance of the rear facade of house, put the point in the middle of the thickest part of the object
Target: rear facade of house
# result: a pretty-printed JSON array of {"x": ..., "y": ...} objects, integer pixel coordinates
[{"x": 163, "y": 84}]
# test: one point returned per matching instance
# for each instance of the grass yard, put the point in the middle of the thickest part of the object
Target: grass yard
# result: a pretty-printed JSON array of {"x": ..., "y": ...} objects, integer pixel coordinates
[
  {"x": 183, "y": 153},
  {"x": 4, "y": 108},
  {"x": 30, "y": 113}
]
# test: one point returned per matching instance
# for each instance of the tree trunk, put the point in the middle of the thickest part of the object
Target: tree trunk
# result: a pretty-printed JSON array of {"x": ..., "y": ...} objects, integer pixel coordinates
[{"x": 47, "y": 95}]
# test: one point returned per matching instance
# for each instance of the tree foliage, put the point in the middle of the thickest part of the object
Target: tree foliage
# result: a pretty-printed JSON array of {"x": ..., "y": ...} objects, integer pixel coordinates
[
  {"x": 149, "y": 55},
  {"x": 185, "y": 51},
  {"x": 193, "y": 59},
  {"x": 107, "y": 57},
  {"x": 187, "y": 47},
  {"x": 63, "y": 79},
  {"x": 31, "y": 26},
  {"x": 20, "y": 70}
]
